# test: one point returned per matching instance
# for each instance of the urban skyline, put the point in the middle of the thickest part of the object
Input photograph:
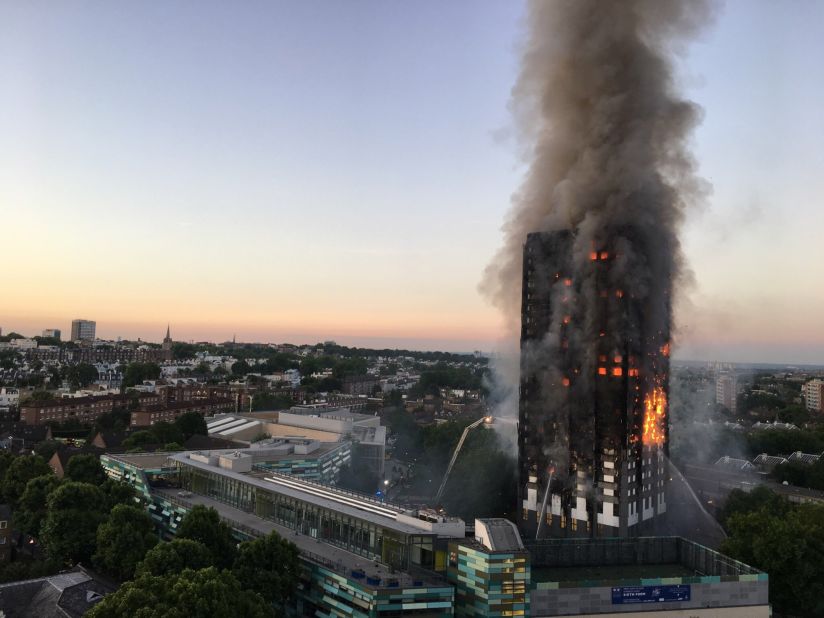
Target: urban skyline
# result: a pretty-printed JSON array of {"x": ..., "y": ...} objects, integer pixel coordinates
[
  {"x": 447, "y": 310},
  {"x": 138, "y": 202}
]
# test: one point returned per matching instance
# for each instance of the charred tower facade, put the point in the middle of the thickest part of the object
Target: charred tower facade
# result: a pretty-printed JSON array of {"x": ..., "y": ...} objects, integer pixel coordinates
[{"x": 593, "y": 429}]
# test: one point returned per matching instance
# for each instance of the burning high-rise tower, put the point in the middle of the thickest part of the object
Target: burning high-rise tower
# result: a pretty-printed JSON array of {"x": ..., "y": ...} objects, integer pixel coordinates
[
  {"x": 592, "y": 253},
  {"x": 592, "y": 430}
]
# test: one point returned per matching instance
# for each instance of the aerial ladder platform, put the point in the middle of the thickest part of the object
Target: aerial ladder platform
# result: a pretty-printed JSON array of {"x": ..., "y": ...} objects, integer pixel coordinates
[{"x": 478, "y": 423}]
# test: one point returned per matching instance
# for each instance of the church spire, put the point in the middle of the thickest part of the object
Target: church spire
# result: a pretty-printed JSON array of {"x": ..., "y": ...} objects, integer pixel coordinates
[{"x": 167, "y": 340}]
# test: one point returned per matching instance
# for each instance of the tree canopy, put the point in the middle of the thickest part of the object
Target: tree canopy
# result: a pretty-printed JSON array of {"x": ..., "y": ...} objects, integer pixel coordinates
[
  {"x": 191, "y": 424},
  {"x": 790, "y": 548},
  {"x": 31, "y": 510},
  {"x": 123, "y": 540},
  {"x": 136, "y": 373},
  {"x": 20, "y": 471},
  {"x": 85, "y": 468},
  {"x": 74, "y": 511},
  {"x": 269, "y": 566},
  {"x": 203, "y": 524},
  {"x": 175, "y": 556},
  {"x": 79, "y": 375},
  {"x": 207, "y": 593}
]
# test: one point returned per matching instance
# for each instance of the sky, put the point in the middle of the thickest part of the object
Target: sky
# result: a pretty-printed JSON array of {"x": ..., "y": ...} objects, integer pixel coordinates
[{"x": 303, "y": 170}]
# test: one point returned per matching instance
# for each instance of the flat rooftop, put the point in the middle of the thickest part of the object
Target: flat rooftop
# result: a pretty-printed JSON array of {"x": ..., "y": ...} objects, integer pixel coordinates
[
  {"x": 347, "y": 503},
  {"x": 331, "y": 557},
  {"x": 628, "y": 561},
  {"x": 144, "y": 461},
  {"x": 322, "y": 449}
]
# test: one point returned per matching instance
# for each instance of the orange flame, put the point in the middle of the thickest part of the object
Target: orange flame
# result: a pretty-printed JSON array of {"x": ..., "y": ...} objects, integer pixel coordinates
[{"x": 655, "y": 411}]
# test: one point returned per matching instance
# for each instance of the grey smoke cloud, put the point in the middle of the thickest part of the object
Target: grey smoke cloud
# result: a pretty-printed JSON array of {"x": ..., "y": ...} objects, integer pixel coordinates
[{"x": 605, "y": 134}]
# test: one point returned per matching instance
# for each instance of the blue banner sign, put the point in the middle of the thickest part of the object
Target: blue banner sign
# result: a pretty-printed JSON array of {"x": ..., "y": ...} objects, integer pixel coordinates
[{"x": 649, "y": 594}]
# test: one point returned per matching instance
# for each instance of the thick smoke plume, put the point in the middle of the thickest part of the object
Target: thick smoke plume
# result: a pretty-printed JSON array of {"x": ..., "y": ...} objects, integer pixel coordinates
[
  {"x": 604, "y": 133},
  {"x": 605, "y": 137}
]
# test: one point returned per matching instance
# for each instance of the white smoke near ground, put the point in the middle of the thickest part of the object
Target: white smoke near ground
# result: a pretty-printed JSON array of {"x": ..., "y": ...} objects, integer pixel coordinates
[{"x": 502, "y": 384}]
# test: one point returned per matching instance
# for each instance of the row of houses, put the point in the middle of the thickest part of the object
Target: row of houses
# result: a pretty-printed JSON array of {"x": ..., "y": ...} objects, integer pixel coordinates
[{"x": 149, "y": 409}]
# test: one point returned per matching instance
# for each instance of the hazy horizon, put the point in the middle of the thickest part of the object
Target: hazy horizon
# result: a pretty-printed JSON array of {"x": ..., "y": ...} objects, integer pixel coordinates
[{"x": 314, "y": 171}]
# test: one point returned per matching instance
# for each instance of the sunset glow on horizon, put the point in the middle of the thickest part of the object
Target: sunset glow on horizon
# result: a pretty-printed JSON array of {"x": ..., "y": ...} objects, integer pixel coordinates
[{"x": 319, "y": 173}]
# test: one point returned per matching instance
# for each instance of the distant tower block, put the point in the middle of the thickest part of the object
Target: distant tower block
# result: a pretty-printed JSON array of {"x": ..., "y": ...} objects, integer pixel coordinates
[{"x": 83, "y": 330}]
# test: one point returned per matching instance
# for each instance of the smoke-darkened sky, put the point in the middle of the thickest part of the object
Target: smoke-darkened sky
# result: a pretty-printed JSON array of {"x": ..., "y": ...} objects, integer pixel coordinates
[{"x": 314, "y": 170}]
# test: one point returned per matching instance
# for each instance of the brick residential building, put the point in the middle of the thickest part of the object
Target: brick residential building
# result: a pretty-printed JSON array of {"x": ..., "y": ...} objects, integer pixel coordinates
[
  {"x": 149, "y": 415},
  {"x": 85, "y": 410},
  {"x": 360, "y": 385}
]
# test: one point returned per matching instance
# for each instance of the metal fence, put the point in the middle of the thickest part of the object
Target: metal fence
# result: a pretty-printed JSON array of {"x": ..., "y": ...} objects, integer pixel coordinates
[{"x": 560, "y": 553}]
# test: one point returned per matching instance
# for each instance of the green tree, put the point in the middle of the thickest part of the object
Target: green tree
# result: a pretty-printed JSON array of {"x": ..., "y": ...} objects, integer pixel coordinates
[
  {"x": 482, "y": 483},
  {"x": 349, "y": 367},
  {"x": 21, "y": 470},
  {"x": 408, "y": 434},
  {"x": 800, "y": 474},
  {"x": 41, "y": 341},
  {"x": 207, "y": 593},
  {"x": 80, "y": 375},
  {"x": 191, "y": 424},
  {"x": 7, "y": 360},
  {"x": 117, "y": 492},
  {"x": 395, "y": 399},
  {"x": 136, "y": 373},
  {"x": 140, "y": 438},
  {"x": 270, "y": 566},
  {"x": 784, "y": 442},
  {"x": 166, "y": 432},
  {"x": 326, "y": 385},
  {"x": 241, "y": 368},
  {"x": 6, "y": 459},
  {"x": 203, "y": 524},
  {"x": 790, "y": 548},
  {"x": 444, "y": 376},
  {"x": 47, "y": 449},
  {"x": 31, "y": 510},
  {"x": 85, "y": 468},
  {"x": 741, "y": 502},
  {"x": 41, "y": 396},
  {"x": 116, "y": 420},
  {"x": 74, "y": 511},
  {"x": 173, "y": 557},
  {"x": 123, "y": 540},
  {"x": 271, "y": 401},
  {"x": 183, "y": 351}
]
